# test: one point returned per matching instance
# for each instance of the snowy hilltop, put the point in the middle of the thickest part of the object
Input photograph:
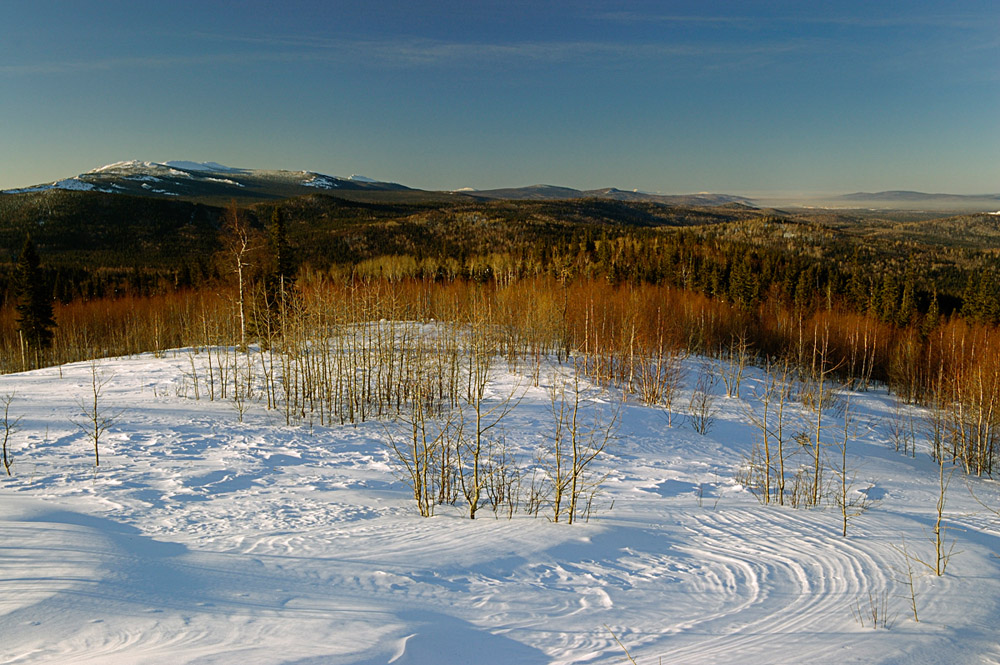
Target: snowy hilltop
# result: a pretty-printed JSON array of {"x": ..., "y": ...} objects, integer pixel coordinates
[{"x": 204, "y": 180}]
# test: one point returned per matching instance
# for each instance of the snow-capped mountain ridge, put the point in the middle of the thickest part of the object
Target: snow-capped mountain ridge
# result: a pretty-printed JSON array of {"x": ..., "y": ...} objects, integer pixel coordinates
[
  {"x": 205, "y": 181},
  {"x": 203, "y": 166}
]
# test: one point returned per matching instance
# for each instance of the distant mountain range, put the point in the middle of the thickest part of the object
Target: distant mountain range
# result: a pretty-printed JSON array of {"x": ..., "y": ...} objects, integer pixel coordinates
[
  {"x": 213, "y": 182},
  {"x": 907, "y": 200},
  {"x": 550, "y": 192},
  {"x": 210, "y": 182}
]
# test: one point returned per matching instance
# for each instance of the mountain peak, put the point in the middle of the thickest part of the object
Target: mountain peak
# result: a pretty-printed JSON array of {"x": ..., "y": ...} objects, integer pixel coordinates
[{"x": 206, "y": 181}]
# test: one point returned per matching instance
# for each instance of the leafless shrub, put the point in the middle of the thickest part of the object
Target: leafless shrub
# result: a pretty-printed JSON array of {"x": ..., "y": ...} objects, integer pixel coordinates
[
  {"x": 701, "y": 407},
  {"x": 908, "y": 578},
  {"x": 873, "y": 611},
  {"x": 733, "y": 362},
  {"x": 902, "y": 433}
]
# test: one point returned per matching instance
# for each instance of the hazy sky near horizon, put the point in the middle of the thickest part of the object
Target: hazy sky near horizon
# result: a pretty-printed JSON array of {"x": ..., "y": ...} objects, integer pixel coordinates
[{"x": 739, "y": 97}]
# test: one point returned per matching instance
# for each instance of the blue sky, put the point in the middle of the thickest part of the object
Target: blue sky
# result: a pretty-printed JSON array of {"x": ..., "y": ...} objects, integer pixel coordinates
[{"x": 738, "y": 97}]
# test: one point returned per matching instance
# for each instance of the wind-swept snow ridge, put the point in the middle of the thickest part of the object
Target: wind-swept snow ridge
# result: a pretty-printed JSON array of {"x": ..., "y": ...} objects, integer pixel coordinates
[
  {"x": 144, "y": 167},
  {"x": 203, "y": 539},
  {"x": 212, "y": 167}
]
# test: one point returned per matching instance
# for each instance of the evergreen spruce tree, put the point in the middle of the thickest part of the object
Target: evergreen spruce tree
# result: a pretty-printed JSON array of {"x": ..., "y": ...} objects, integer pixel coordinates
[
  {"x": 744, "y": 284},
  {"x": 889, "y": 298},
  {"x": 284, "y": 269},
  {"x": 907, "y": 303},
  {"x": 986, "y": 297},
  {"x": 272, "y": 299},
  {"x": 804, "y": 290},
  {"x": 971, "y": 306},
  {"x": 932, "y": 318},
  {"x": 34, "y": 305}
]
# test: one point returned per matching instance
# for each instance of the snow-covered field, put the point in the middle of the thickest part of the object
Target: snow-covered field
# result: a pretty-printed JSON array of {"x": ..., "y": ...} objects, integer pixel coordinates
[{"x": 201, "y": 539}]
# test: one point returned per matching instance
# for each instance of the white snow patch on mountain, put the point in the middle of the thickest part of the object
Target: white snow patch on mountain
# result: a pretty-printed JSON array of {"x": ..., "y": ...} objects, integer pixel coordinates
[
  {"x": 74, "y": 184},
  {"x": 321, "y": 181},
  {"x": 214, "y": 167},
  {"x": 132, "y": 164},
  {"x": 150, "y": 188},
  {"x": 226, "y": 181}
]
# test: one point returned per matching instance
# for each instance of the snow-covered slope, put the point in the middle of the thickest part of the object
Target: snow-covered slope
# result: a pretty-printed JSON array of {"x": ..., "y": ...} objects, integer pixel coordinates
[{"x": 201, "y": 539}]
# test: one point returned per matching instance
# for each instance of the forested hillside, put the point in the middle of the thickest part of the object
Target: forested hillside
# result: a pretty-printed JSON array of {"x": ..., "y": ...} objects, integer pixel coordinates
[{"x": 96, "y": 245}]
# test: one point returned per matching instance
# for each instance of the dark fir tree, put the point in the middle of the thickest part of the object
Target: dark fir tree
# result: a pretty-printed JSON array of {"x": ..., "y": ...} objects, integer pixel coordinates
[
  {"x": 932, "y": 318},
  {"x": 271, "y": 299},
  {"x": 34, "y": 304},
  {"x": 284, "y": 269},
  {"x": 282, "y": 280}
]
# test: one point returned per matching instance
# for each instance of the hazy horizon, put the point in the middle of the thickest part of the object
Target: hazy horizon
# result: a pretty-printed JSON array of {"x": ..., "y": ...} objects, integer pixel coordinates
[{"x": 752, "y": 99}]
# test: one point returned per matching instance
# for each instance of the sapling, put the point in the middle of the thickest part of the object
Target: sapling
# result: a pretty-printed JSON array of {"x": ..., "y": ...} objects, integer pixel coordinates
[
  {"x": 673, "y": 377},
  {"x": 417, "y": 450},
  {"x": 619, "y": 642},
  {"x": 10, "y": 426},
  {"x": 765, "y": 469},
  {"x": 98, "y": 418},
  {"x": 474, "y": 443},
  {"x": 849, "y": 505},
  {"x": 818, "y": 402},
  {"x": 575, "y": 445},
  {"x": 733, "y": 364},
  {"x": 908, "y": 578},
  {"x": 943, "y": 550},
  {"x": 701, "y": 407}
]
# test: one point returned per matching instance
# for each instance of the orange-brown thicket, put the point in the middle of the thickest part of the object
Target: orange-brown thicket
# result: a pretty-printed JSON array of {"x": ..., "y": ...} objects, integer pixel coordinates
[
  {"x": 617, "y": 327},
  {"x": 625, "y": 335},
  {"x": 124, "y": 326},
  {"x": 858, "y": 344},
  {"x": 959, "y": 374}
]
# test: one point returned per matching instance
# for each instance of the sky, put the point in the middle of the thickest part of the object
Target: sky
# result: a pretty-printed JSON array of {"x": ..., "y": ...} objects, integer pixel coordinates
[{"x": 744, "y": 97}]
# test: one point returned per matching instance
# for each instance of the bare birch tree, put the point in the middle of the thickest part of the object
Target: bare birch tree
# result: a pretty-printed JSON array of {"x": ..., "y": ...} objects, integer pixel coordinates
[
  {"x": 10, "y": 427},
  {"x": 478, "y": 418},
  {"x": 850, "y": 506},
  {"x": 765, "y": 470},
  {"x": 237, "y": 240},
  {"x": 580, "y": 436}
]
